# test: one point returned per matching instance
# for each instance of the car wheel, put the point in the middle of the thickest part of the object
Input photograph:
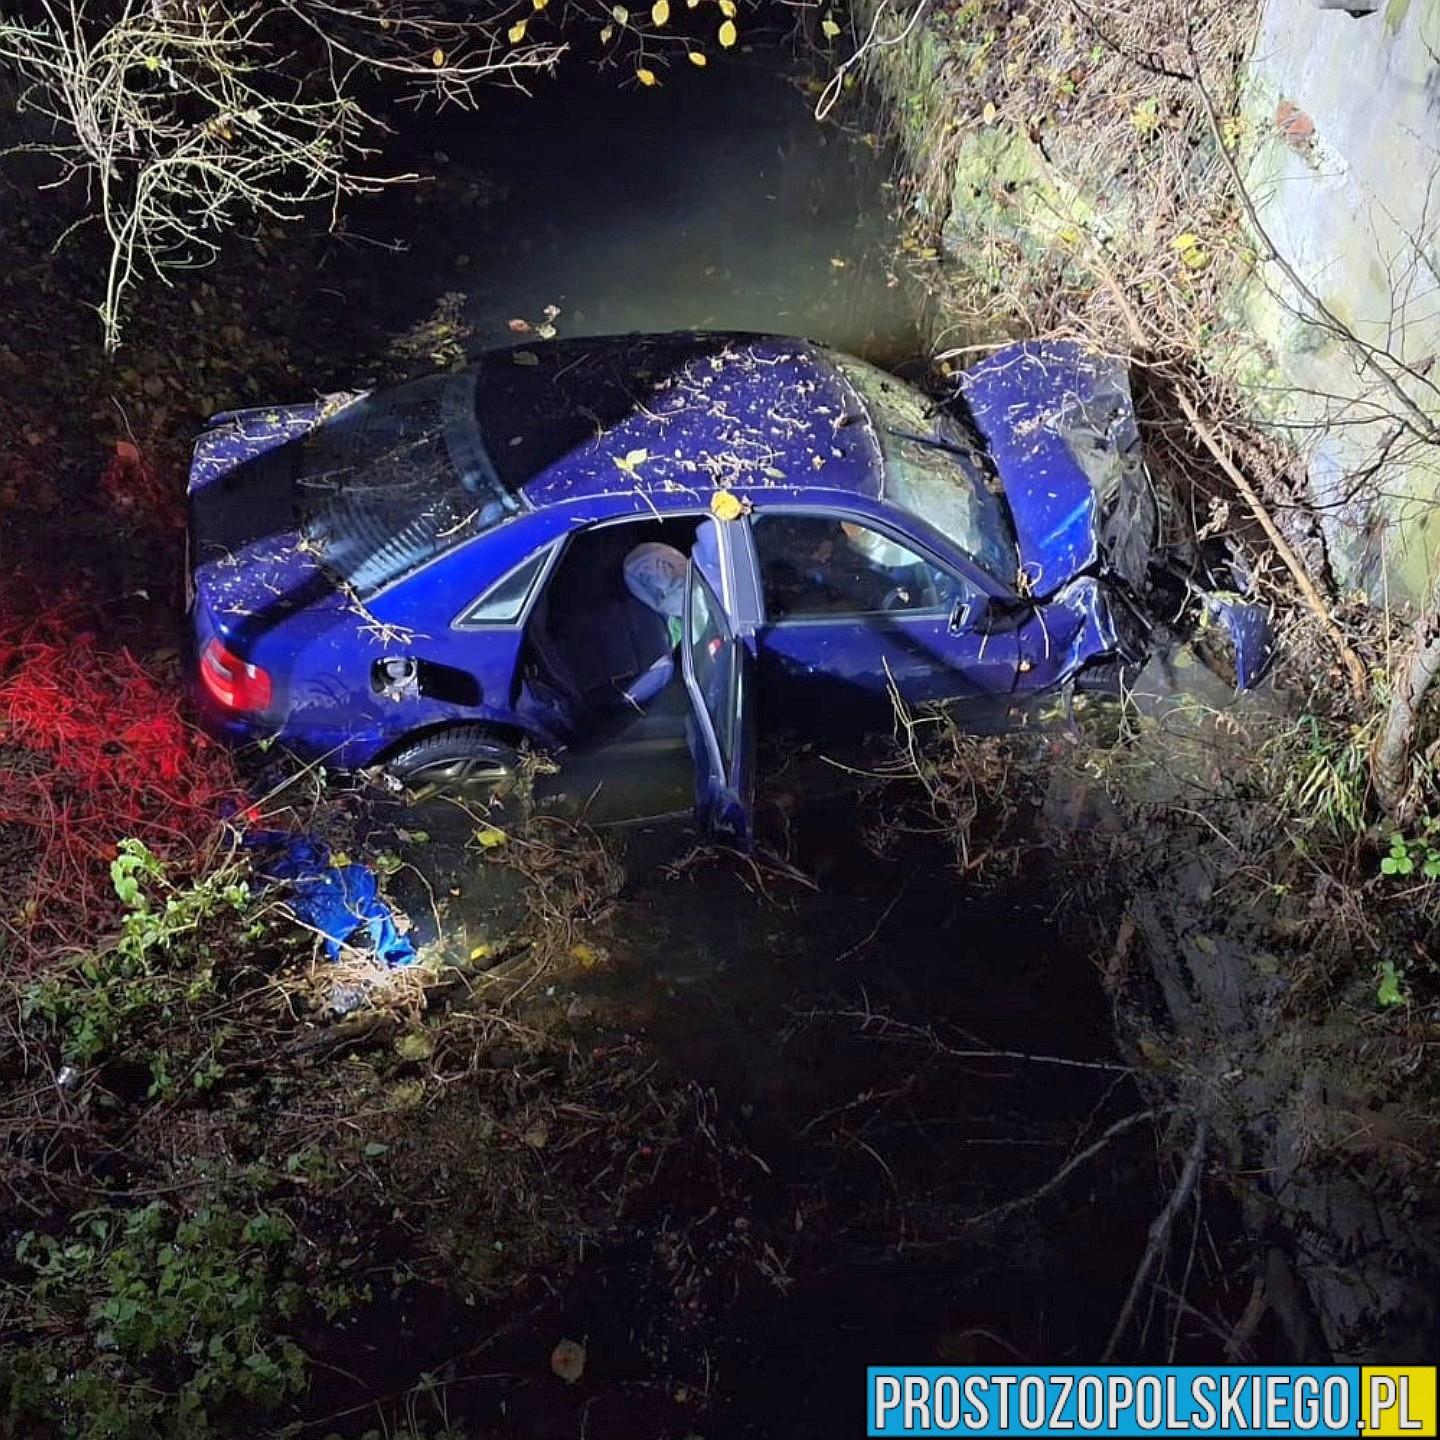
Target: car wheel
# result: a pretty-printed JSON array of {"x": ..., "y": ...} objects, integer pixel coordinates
[{"x": 459, "y": 755}]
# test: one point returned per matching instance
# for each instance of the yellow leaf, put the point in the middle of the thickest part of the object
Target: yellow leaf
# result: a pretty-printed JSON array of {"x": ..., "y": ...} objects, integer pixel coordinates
[
  {"x": 727, "y": 9},
  {"x": 516, "y": 32},
  {"x": 487, "y": 836},
  {"x": 660, "y": 12},
  {"x": 539, "y": 4},
  {"x": 437, "y": 58},
  {"x": 631, "y": 460},
  {"x": 620, "y": 14},
  {"x": 1187, "y": 241},
  {"x": 585, "y": 954},
  {"x": 696, "y": 58},
  {"x": 151, "y": 63},
  {"x": 829, "y": 29},
  {"x": 727, "y": 35},
  {"x": 724, "y": 506},
  {"x": 480, "y": 951},
  {"x": 606, "y": 33},
  {"x": 989, "y": 112},
  {"x": 646, "y": 76}
]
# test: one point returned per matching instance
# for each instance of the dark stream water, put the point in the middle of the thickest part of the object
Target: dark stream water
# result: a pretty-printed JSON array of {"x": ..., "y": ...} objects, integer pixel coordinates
[
  {"x": 716, "y": 200},
  {"x": 713, "y": 200}
]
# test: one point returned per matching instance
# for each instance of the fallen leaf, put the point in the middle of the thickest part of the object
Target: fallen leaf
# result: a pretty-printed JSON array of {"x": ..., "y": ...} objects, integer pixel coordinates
[
  {"x": 537, "y": 1135},
  {"x": 631, "y": 460},
  {"x": 724, "y": 506},
  {"x": 525, "y": 357},
  {"x": 488, "y": 836},
  {"x": 567, "y": 1360},
  {"x": 414, "y": 1045}
]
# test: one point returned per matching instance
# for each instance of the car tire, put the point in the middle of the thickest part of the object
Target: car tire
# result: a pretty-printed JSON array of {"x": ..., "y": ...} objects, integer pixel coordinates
[{"x": 457, "y": 755}]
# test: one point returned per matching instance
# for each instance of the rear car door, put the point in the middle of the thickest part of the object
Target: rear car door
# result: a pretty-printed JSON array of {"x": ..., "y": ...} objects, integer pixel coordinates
[
  {"x": 854, "y": 609},
  {"x": 718, "y": 670}
]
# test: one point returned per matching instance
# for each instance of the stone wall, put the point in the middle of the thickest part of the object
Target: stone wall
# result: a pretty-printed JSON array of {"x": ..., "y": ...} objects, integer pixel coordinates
[{"x": 1342, "y": 130}]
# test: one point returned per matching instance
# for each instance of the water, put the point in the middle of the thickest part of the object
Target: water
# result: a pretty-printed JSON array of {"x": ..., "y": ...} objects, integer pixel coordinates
[
  {"x": 713, "y": 200},
  {"x": 717, "y": 201}
]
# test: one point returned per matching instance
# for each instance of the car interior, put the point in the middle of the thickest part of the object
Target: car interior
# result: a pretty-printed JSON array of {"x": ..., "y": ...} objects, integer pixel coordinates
[{"x": 594, "y": 644}]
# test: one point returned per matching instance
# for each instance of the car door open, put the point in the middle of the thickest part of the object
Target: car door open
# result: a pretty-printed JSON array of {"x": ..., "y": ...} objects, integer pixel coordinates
[{"x": 718, "y": 671}]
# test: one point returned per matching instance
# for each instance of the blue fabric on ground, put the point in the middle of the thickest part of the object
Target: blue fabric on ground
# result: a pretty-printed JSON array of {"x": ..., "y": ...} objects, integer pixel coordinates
[{"x": 336, "y": 900}]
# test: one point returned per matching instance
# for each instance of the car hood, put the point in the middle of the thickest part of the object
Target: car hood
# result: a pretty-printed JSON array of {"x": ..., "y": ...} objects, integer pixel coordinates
[{"x": 1059, "y": 424}]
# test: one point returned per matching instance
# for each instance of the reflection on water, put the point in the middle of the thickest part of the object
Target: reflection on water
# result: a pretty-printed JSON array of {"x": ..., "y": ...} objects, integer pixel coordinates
[{"x": 712, "y": 200}]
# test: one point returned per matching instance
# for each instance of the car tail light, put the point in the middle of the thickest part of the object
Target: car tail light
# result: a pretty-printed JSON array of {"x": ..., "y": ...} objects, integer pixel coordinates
[{"x": 231, "y": 682}]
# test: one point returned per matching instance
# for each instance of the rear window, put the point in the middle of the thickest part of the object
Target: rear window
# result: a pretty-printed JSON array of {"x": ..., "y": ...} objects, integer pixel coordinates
[
  {"x": 539, "y": 403},
  {"x": 397, "y": 478}
]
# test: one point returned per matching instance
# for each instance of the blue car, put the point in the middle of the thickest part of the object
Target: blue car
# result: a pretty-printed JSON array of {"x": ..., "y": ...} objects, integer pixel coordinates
[{"x": 699, "y": 533}]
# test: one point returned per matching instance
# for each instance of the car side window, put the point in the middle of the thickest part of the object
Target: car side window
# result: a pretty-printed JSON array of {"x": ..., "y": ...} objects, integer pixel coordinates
[
  {"x": 715, "y": 659},
  {"x": 822, "y": 565},
  {"x": 504, "y": 602}
]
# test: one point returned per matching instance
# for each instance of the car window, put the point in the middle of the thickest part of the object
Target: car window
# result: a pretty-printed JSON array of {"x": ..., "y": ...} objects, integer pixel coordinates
[
  {"x": 712, "y": 650},
  {"x": 504, "y": 601},
  {"x": 934, "y": 469},
  {"x": 395, "y": 479},
  {"x": 824, "y": 565}
]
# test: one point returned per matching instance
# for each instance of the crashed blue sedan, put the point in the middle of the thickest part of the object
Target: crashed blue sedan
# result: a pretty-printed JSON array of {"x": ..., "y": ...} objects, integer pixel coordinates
[{"x": 702, "y": 533}]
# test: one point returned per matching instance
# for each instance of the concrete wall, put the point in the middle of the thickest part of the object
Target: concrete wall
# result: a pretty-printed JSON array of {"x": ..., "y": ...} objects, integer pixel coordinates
[{"x": 1343, "y": 133}]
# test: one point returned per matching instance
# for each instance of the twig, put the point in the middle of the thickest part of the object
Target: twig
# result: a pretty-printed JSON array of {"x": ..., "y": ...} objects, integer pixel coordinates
[
  {"x": 1160, "y": 1233},
  {"x": 1024, "y": 1202},
  {"x": 1355, "y": 667}
]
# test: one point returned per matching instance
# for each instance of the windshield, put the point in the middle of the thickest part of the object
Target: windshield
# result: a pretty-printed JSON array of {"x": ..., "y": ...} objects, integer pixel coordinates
[
  {"x": 935, "y": 471},
  {"x": 396, "y": 478}
]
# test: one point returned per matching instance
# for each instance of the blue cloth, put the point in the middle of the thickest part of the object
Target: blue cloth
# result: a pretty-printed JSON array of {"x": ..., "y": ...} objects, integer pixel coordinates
[{"x": 338, "y": 901}]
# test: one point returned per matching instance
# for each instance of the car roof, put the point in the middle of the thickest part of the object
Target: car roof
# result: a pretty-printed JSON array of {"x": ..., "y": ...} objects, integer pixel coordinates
[{"x": 668, "y": 419}]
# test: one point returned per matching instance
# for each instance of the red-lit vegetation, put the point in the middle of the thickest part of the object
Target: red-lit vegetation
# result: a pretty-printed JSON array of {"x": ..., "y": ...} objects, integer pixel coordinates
[{"x": 93, "y": 748}]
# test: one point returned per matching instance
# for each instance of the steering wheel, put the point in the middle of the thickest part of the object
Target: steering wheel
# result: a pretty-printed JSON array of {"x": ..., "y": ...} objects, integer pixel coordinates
[{"x": 900, "y": 597}]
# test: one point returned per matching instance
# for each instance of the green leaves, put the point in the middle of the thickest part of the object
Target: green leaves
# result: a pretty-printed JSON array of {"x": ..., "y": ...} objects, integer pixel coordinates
[
  {"x": 1388, "y": 991},
  {"x": 199, "y": 1297}
]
